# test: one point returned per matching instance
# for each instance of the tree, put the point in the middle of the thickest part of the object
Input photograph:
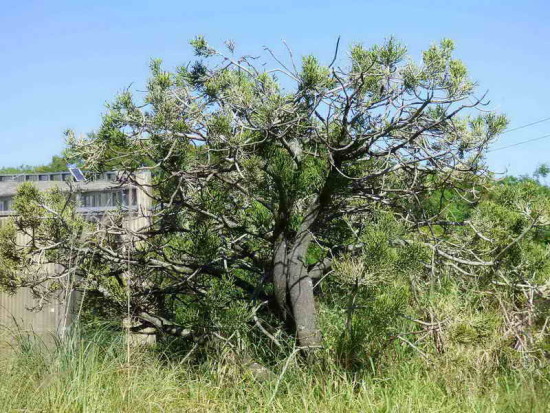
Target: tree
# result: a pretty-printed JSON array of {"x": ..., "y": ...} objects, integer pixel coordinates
[
  {"x": 542, "y": 171},
  {"x": 57, "y": 164},
  {"x": 262, "y": 177}
]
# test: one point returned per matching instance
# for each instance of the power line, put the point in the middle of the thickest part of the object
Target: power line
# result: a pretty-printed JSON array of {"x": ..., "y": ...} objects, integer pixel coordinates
[
  {"x": 525, "y": 126},
  {"x": 520, "y": 143}
]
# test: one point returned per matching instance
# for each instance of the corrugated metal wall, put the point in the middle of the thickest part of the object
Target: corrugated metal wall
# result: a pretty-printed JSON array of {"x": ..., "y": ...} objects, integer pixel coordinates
[
  {"x": 24, "y": 312},
  {"x": 21, "y": 311},
  {"x": 56, "y": 316}
]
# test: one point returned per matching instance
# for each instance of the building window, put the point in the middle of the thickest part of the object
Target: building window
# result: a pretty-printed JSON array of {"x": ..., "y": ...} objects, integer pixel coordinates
[
  {"x": 5, "y": 204},
  {"x": 113, "y": 199},
  {"x": 134, "y": 197}
]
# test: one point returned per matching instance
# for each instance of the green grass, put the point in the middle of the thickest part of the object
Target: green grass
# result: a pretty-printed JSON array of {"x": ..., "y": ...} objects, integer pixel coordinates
[{"x": 92, "y": 375}]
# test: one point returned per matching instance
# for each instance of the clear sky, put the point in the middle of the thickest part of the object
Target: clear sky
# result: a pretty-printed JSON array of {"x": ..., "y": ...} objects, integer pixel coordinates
[{"x": 60, "y": 61}]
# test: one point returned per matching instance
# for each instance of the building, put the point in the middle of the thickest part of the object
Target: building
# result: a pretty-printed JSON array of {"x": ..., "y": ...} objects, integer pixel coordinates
[{"x": 95, "y": 198}]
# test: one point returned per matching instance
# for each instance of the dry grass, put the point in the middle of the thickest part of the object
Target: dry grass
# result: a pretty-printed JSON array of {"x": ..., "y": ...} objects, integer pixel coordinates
[{"x": 92, "y": 375}]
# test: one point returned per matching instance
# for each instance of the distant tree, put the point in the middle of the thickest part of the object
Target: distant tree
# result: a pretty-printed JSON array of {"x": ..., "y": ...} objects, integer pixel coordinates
[
  {"x": 542, "y": 171},
  {"x": 262, "y": 183},
  {"x": 58, "y": 163}
]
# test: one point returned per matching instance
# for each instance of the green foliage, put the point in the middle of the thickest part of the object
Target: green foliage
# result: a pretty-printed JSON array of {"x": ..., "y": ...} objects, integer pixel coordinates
[
  {"x": 27, "y": 204},
  {"x": 10, "y": 259},
  {"x": 542, "y": 171},
  {"x": 201, "y": 47},
  {"x": 314, "y": 76},
  {"x": 57, "y": 164}
]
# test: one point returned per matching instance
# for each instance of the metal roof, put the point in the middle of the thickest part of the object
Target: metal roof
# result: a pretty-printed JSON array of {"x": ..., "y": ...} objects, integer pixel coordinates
[{"x": 9, "y": 188}]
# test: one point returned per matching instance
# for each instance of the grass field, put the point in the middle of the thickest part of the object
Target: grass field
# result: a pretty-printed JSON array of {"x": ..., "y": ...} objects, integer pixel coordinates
[{"x": 93, "y": 375}]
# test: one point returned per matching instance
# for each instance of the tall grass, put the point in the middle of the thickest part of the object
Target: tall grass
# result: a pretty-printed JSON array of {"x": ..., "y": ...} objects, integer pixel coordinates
[{"x": 90, "y": 374}]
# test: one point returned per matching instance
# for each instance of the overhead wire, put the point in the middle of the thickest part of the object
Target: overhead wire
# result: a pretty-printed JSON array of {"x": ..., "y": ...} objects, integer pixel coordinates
[
  {"x": 520, "y": 143},
  {"x": 525, "y": 141},
  {"x": 526, "y": 125}
]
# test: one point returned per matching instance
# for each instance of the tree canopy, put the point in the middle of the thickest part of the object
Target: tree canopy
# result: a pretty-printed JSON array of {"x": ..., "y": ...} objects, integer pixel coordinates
[{"x": 266, "y": 180}]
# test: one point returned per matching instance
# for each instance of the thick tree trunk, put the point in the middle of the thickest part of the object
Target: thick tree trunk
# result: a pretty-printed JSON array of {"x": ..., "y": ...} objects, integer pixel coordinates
[
  {"x": 302, "y": 300},
  {"x": 303, "y": 309},
  {"x": 291, "y": 279},
  {"x": 292, "y": 283}
]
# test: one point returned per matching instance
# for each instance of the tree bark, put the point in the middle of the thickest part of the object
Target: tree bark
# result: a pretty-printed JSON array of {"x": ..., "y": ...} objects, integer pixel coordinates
[
  {"x": 301, "y": 298},
  {"x": 280, "y": 283},
  {"x": 293, "y": 289},
  {"x": 300, "y": 285},
  {"x": 291, "y": 279}
]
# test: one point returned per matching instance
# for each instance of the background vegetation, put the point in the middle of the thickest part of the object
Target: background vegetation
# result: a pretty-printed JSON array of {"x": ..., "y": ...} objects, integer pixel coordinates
[{"x": 57, "y": 164}]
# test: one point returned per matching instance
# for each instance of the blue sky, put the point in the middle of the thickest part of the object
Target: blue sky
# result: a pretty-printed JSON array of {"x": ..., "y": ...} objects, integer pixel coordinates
[{"x": 60, "y": 61}]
